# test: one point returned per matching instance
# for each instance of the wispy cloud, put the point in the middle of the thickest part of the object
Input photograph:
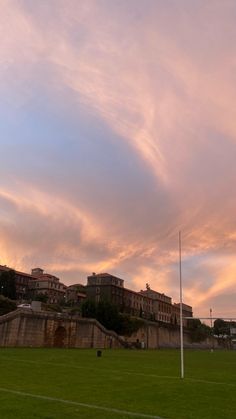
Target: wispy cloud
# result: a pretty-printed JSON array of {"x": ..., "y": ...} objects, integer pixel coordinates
[{"x": 118, "y": 130}]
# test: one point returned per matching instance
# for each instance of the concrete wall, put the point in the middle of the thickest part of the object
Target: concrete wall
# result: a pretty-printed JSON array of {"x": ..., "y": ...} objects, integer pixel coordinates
[
  {"x": 27, "y": 328},
  {"x": 154, "y": 336}
]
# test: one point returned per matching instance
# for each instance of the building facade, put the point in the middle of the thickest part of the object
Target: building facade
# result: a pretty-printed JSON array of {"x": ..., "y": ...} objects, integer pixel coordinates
[
  {"x": 22, "y": 282},
  {"x": 148, "y": 304},
  {"x": 48, "y": 285},
  {"x": 105, "y": 287},
  {"x": 161, "y": 305},
  {"x": 75, "y": 294},
  {"x": 187, "y": 312}
]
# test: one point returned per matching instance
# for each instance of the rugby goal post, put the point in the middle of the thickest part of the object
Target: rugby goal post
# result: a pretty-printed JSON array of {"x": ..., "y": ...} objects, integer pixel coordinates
[
  {"x": 232, "y": 332},
  {"x": 231, "y": 319}
]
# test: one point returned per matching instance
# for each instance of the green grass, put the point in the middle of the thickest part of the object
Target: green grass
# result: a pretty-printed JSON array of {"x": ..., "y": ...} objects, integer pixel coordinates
[{"x": 144, "y": 382}]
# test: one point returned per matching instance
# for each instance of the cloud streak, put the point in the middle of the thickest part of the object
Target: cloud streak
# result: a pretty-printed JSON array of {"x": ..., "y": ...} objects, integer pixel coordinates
[{"x": 118, "y": 131}]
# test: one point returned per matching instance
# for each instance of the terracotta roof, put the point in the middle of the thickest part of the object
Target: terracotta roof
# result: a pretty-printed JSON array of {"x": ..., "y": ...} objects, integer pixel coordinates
[{"x": 7, "y": 268}]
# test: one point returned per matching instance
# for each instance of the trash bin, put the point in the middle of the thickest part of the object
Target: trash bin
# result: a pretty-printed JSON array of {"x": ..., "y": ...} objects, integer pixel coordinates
[{"x": 99, "y": 354}]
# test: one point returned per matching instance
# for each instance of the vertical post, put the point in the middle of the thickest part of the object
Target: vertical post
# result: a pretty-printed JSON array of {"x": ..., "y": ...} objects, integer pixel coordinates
[
  {"x": 211, "y": 316},
  {"x": 212, "y": 337},
  {"x": 181, "y": 311}
]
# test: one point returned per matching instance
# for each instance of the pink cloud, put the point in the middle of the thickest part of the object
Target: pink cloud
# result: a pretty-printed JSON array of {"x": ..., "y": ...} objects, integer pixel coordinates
[{"x": 165, "y": 85}]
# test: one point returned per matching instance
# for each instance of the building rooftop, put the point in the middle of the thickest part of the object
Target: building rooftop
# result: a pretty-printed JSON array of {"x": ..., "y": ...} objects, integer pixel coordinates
[{"x": 7, "y": 268}]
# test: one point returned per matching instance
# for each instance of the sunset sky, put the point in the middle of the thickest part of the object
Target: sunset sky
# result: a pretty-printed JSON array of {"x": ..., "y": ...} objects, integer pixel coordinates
[{"x": 117, "y": 130}]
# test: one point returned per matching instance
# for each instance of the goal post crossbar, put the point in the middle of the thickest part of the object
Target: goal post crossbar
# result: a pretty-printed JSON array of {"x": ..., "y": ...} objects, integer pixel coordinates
[
  {"x": 229, "y": 319},
  {"x": 210, "y": 318}
]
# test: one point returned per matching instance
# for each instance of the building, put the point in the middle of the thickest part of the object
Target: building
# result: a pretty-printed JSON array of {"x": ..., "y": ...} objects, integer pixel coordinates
[
  {"x": 161, "y": 305},
  {"x": 75, "y": 294},
  {"x": 187, "y": 312},
  {"x": 105, "y": 287},
  {"x": 28, "y": 286},
  {"x": 110, "y": 288},
  {"x": 48, "y": 285},
  {"x": 149, "y": 304},
  {"x": 22, "y": 282}
]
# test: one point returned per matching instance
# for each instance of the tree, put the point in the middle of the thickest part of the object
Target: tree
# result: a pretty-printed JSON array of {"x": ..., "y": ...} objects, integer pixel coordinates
[
  {"x": 8, "y": 284},
  {"x": 41, "y": 297},
  {"x": 108, "y": 315},
  {"x": 128, "y": 325},
  {"x": 6, "y": 305},
  {"x": 221, "y": 327},
  {"x": 198, "y": 331},
  {"x": 88, "y": 309}
]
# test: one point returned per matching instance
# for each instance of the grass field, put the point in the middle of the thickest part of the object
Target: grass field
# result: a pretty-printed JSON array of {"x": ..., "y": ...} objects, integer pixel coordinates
[{"x": 70, "y": 383}]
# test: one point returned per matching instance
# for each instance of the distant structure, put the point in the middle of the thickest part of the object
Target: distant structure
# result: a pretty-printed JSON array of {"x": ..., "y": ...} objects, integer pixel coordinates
[
  {"x": 47, "y": 284},
  {"x": 31, "y": 328},
  {"x": 22, "y": 282},
  {"x": 161, "y": 304},
  {"x": 29, "y": 286},
  {"x": 148, "y": 304},
  {"x": 75, "y": 294}
]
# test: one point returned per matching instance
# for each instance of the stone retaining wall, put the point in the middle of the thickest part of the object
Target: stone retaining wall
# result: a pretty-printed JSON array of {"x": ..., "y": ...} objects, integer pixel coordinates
[{"x": 28, "y": 328}]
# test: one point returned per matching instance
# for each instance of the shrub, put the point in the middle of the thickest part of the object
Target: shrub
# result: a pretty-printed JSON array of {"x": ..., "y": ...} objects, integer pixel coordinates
[
  {"x": 6, "y": 305},
  {"x": 108, "y": 315}
]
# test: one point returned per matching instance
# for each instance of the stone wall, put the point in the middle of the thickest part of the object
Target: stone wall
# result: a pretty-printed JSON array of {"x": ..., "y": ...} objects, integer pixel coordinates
[
  {"x": 28, "y": 328},
  {"x": 155, "y": 336}
]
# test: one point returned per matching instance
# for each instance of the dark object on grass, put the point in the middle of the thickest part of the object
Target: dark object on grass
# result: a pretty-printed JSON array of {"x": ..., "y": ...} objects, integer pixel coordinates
[{"x": 99, "y": 354}]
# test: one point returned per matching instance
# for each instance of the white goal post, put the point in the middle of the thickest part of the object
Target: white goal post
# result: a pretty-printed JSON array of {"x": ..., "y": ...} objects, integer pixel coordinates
[{"x": 231, "y": 319}]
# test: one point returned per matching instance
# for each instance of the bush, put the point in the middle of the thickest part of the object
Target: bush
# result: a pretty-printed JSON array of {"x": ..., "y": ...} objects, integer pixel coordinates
[
  {"x": 89, "y": 309},
  {"x": 41, "y": 297},
  {"x": 8, "y": 284},
  {"x": 75, "y": 311},
  {"x": 6, "y": 305},
  {"x": 52, "y": 307},
  {"x": 198, "y": 331},
  {"x": 222, "y": 327},
  {"x": 128, "y": 325},
  {"x": 108, "y": 315}
]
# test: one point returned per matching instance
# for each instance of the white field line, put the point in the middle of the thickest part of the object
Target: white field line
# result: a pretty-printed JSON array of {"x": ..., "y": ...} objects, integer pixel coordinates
[
  {"x": 198, "y": 380},
  {"x": 73, "y": 403},
  {"x": 172, "y": 377},
  {"x": 55, "y": 364}
]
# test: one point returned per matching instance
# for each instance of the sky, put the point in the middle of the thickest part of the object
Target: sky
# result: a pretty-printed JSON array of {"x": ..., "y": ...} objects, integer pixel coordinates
[{"x": 117, "y": 131}]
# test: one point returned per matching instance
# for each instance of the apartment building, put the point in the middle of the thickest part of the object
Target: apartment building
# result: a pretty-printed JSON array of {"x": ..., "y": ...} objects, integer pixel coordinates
[
  {"x": 48, "y": 285},
  {"x": 148, "y": 304},
  {"x": 108, "y": 287},
  {"x": 187, "y": 312},
  {"x": 22, "y": 282},
  {"x": 161, "y": 304},
  {"x": 75, "y": 294}
]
